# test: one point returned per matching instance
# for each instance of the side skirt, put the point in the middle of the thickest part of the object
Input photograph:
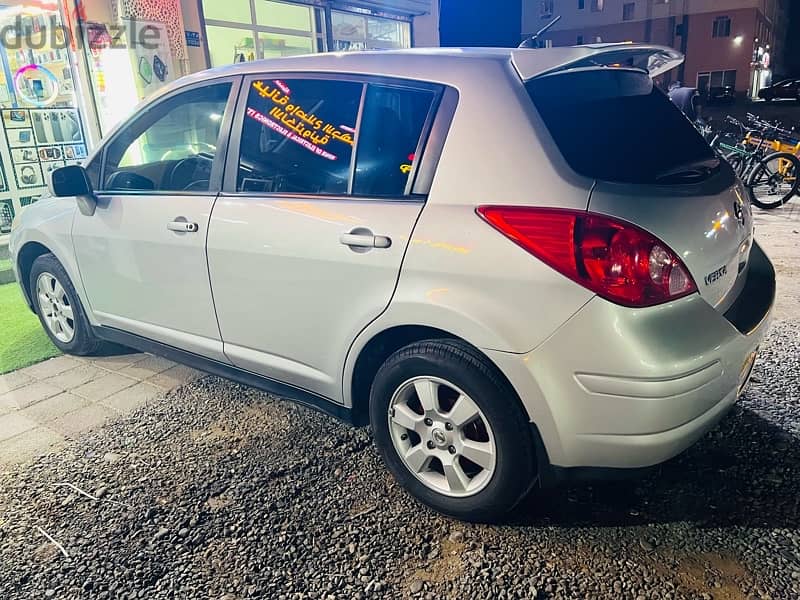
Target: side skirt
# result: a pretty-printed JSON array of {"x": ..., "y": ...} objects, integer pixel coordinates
[{"x": 201, "y": 363}]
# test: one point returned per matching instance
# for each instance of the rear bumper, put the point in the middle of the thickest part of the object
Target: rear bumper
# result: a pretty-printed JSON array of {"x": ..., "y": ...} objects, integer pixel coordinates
[{"x": 616, "y": 387}]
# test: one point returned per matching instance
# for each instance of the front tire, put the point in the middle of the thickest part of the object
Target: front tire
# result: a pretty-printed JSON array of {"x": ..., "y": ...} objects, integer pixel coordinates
[
  {"x": 452, "y": 431},
  {"x": 59, "y": 308}
]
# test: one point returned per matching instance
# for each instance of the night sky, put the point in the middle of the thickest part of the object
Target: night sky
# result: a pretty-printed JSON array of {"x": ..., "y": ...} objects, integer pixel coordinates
[
  {"x": 793, "y": 43},
  {"x": 481, "y": 23}
]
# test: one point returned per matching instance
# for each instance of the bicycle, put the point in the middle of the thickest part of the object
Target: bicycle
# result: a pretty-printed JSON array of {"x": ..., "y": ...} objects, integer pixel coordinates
[{"x": 771, "y": 178}]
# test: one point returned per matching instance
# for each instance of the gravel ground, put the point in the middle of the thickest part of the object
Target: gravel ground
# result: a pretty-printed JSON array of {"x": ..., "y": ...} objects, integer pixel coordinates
[{"x": 219, "y": 491}]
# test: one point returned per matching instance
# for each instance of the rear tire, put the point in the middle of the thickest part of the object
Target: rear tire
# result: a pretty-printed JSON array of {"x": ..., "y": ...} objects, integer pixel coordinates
[
  {"x": 435, "y": 406},
  {"x": 59, "y": 308},
  {"x": 774, "y": 180}
]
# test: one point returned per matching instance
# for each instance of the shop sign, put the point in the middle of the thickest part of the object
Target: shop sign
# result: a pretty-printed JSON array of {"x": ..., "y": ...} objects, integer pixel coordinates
[{"x": 193, "y": 39}]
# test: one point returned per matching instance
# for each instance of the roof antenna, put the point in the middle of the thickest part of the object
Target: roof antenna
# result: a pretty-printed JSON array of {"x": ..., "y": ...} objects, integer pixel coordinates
[{"x": 531, "y": 41}]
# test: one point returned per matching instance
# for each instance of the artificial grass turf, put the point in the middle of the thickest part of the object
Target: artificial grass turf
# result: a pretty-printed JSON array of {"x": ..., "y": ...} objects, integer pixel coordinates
[{"x": 23, "y": 342}]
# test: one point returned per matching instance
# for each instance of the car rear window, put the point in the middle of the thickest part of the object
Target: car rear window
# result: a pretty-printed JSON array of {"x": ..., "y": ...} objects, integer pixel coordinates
[{"x": 614, "y": 125}]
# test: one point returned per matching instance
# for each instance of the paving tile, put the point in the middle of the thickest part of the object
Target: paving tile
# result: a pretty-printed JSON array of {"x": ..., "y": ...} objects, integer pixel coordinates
[
  {"x": 14, "y": 380},
  {"x": 51, "y": 367},
  {"x": 29, "y": 394},
  {"x": 129, "y": 399},
  {"x": 104, "y": 386},
  {"x": 78, "y": 421},
  {"x": 6, "y": 406},
  {"x": 28, "y": 446},
  {"x": 174, "y": 377},
  {"x": 13, "y": 424},
  {"x": 54, "y": 407},
  {"x": 119, "y": 361},
  {"x": 75, "y": 377},
  {"x": 144, "y": 369}
]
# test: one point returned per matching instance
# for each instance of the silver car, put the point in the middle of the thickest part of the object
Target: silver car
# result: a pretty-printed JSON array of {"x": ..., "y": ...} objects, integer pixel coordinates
[{"x": 520, "y": 267}]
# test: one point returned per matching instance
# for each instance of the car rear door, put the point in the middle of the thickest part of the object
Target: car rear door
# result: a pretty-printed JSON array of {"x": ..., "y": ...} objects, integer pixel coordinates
[{"x": 323, "y": 186}]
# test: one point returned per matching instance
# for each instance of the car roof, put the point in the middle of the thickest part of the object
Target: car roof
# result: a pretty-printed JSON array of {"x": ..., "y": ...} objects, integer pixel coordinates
[
  {"x": 457, "y": 67},
  {"x": 440, "y": 65},
  {"x": 372, "y": 60}
]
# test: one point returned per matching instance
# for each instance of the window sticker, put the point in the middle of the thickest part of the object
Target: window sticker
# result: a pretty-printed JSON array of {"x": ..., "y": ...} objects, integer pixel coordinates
[
  {"x": 303, "y": 123},
  {"x": 291, "y": 135}
]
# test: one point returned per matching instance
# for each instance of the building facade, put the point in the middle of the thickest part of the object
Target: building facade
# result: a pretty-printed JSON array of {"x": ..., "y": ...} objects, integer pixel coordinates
[
  {"x": 72, "y": 69},
  {"x": 734, "y": 43}
]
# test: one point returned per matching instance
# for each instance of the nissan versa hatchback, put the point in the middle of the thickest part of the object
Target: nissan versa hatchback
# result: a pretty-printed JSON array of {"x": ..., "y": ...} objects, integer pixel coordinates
[{"x": 517, "y": 266}]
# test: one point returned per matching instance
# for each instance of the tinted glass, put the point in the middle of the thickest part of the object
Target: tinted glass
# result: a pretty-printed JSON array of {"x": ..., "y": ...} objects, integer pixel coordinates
[
  {"x": 390, "y": 130},
  {"x": 614, "y": 125},
  {"x": 172, "y": 146},
  {"x": 298, "y": 136}
]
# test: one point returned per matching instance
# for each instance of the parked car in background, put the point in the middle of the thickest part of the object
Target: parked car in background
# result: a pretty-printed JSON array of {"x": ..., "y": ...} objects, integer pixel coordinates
[
  {"x": 783, "y": 90},
  {"x": 518, "y": 266},
  {"x": 722, "y": 94}
]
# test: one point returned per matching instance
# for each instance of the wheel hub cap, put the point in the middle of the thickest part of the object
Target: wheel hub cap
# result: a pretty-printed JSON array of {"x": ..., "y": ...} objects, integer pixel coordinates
[{"x": 439, "y": 437}]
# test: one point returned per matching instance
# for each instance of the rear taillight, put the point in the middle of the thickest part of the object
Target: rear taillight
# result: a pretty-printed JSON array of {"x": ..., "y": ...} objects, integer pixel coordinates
[{"x": 614, "y": 259}]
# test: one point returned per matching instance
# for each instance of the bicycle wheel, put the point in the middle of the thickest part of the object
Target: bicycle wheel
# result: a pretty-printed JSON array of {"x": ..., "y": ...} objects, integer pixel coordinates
[
  {"x": 774, "y": 180},
  {"x": 736, "y": 162}
]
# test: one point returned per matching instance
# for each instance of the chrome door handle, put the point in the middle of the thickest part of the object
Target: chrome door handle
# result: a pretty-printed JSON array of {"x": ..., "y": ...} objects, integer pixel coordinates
[
  {"x": 182, "y": 226},
  {"x": 365, "y": 240}
]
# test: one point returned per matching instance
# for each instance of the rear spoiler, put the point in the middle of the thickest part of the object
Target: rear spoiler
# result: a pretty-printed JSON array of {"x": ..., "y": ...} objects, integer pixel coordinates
[{"x": 655, "y": 60}]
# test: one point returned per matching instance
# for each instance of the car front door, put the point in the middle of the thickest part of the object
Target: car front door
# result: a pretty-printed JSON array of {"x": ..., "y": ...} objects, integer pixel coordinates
[
  {"x": 142, "y": 253},
  {"x": 306, "y": 241}
]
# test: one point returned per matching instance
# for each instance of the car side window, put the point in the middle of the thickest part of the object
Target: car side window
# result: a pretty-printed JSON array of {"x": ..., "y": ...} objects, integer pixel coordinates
[
  {"x": 298, "y": 136},
  {"x": 390, "y": 130},
  {"x": 170, "y": 148}
]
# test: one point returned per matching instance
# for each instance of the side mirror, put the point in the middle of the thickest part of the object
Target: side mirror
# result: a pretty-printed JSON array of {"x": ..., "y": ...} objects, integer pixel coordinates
[{"x": 74, "y": 181}]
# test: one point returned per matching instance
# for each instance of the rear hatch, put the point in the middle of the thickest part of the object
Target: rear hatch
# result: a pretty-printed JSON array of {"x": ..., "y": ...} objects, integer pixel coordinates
[{"x": 651, "y": 167}]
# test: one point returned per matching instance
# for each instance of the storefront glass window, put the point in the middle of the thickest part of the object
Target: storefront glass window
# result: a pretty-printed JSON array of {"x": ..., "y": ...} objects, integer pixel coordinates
[
  {"x": 283, "y": 16},
  {"x": 244, "y": 30},
  {"x": 227, "y": 10},
  {"x": 41, "y": 124},
  {"x": 227, "y": 45},
  {"x": 359, "y": 32},
  {"x": 280, "y": 29},
  {"x": 387, "y": 31},
  {"x": 349, "y": 29},
  {"x": 276, "y": 44}
]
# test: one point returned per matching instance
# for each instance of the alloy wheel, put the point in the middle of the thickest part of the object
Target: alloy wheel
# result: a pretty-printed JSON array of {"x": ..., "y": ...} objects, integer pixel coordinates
[
  {"x": 55, "y": 307},
  {"x": 442, "y": 436}
]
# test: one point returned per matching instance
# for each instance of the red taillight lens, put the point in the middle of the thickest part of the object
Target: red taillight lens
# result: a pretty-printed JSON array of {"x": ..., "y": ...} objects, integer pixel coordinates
[{"x": 614, "y": 259}]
